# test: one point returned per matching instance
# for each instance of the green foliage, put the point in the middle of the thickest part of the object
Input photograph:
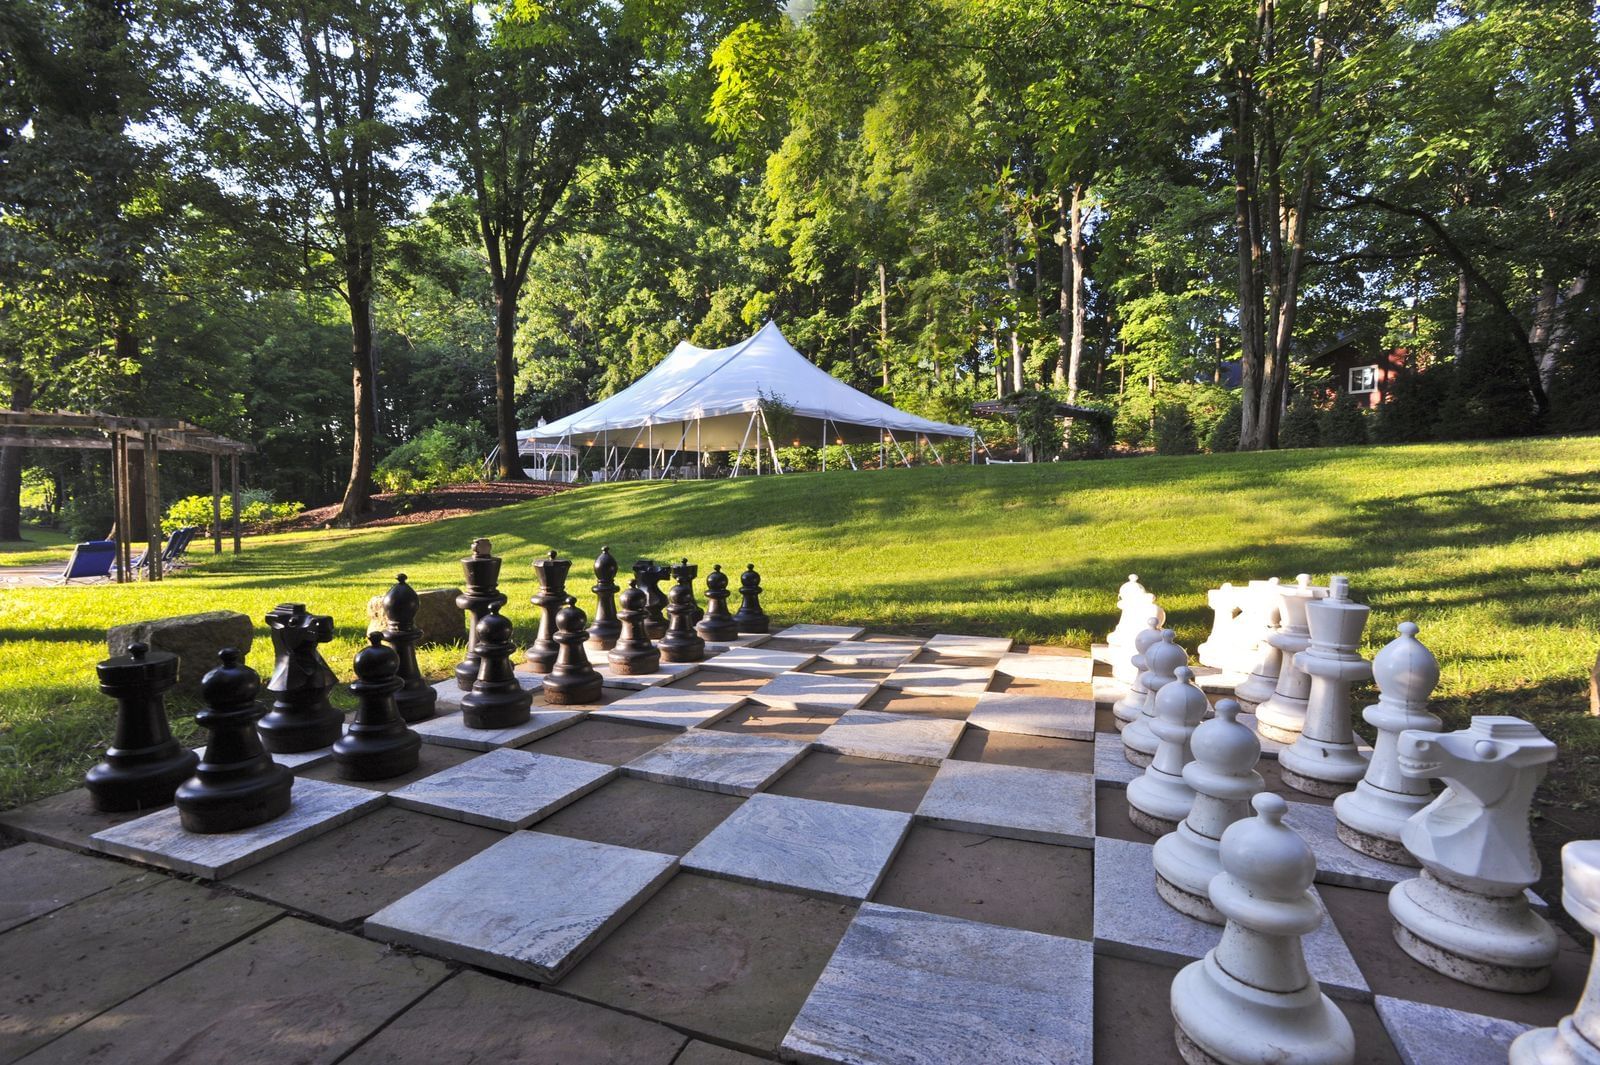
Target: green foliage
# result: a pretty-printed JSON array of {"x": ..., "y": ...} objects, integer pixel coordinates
[
  {"x": 1483, "y": 401},
  {"x": 258, "y": 512},
  {"x": 1038, "y": 422},
  {"x": 444, "y": 453},
  {"x": 1411, "y": 408},
  {"x": 1300, "y": 428},
  {"x": 1174, "y": 430},
  {"x": 1343, "y": 423},
  {"x": 1224, "y": 435}
]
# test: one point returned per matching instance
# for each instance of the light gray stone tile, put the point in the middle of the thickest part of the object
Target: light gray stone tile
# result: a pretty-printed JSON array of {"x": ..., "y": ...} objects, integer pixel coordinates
[
  {"x": 1034, "y": 715},
  {"x": 911, "y": 987},
  {"x": 820, "y": 633},
  {"x": 159, "y": 839},
  {"x": 814, "y": 691},
  {"x": 1108, "y": 689},
  {"x": 504, "y": 789},
  {"x": 1063, "y": 669},
  {"x": 1435, "y": 1035},
  {"x": 1100, "y": 652},
  {"x": 1012, "y": 801},
  {"x": 1217, "y": 681},
  {"x": 760, "y": 661},
  {"x": 450, "y": 692},
  {"x": 744, "y": 639},
  {"x": 878, "y": 654},
  {"x": 940, "y": 678},
  {"x": 957, "y": 646},
  {"x": 894, "y": 737},
  {"x": 1337, "y": 863},
  {"x": 670, "y": 708},
  {"x": 823, "y": 848},
  {"x": 297, "y": 760},
  {"x": 668, "y": 671},
  {"x": 1132, "y": 921},
  {"x": 732, "y": 763},
  {"x": 450, "y": 730},
  {"x": 531, "y": 905},
  {"x": 1111, "y": 766}
]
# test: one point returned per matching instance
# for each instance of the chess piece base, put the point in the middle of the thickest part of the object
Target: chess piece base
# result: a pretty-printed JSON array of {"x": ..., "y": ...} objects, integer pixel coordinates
[
  {"x": 418, "y": 704},
  {"x": 633, "y": 663},
  {"x": 1326, "y": 789},
  {"x": 466, "y": 673},
  {"x": 210, "y": 807},
  {"x": 587, "y": 691},
  {"x": 376, "y": 758},
  {"x": 1133, "y": 755},
  {"x": 1255, "y": 690},
  {"x": 682, "y": 654},
  {"x": 139, "y": 780},
  {"x": 713, "y": 633},
  {"x": 1223, "y": 1021},
  {"x": 1497, "y": 943},
  {"x": 1155, "y": 826},
  {"x": 1187, "y": 902},
  {"x": 750, "y": 625},
  {"x": 1280, "y": 721},
  {"x": 1372, "y": 845},
  {"x": 540, "y": 661},
  {"x": 300, "y": 730},
  {"x": 1127, "y": 709},
  {"x": 494, "y": 710},
  {"x": 1562, "y": 1045}
]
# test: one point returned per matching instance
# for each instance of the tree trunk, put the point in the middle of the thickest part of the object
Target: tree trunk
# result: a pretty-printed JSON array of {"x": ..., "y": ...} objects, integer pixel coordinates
[
  {"x": 1551, "y": 327},
  {"x": 1014, "y": 312},
  {"x": 1458, "y": 345},
  {"x": 1249, "y": 254},
  {"x": 11, "y": 463},
  {"x": 883, "y": 321},
  {"x": 363, "y": 443},
  {"x": 1064, "y": 301},
  {"x": 1079, "y": 305},
  {"x": 505, "y": 381}
]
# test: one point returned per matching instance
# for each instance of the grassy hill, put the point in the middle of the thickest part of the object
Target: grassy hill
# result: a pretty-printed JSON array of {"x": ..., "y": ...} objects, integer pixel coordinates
[{"x": 1490, "y": 548}]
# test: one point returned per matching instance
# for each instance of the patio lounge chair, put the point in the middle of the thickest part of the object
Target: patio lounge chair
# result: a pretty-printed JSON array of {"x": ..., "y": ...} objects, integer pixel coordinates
[{"x": 91, "y": 560}]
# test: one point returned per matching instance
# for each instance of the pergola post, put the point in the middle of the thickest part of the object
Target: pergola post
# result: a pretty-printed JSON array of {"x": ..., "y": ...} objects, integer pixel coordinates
[
  {"x": 216, "y": 505},
  {"x": 119, "y": 505},
  {"x": 233, "y": 472},
  {"x": 152, "y": 506}
]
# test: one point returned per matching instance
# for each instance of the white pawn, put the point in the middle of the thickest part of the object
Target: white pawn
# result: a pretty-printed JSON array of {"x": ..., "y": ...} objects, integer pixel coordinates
[
  {"x": 1324, "y": 759},
  {"x": 1283, "y": 715},
  {"x": 1251, "y": 999},
  {"x": 1576, "y": 1040},
  {"x": 1467, "y": 916},
  {"x": 1161, "y": 798},
  {"x": 1223, "y": 777},
  {"x": 1139, "y": 741},
  {"x": 1371, "y": 817},
  {"x": 1267, "y": 662},
  {"x": 1217, "y": 648},
  {"x": 1125, "y": 709}
]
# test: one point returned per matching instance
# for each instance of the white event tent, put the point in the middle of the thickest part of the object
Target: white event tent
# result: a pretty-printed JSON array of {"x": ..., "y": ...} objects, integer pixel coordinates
[{"x": 711, "y": 399}]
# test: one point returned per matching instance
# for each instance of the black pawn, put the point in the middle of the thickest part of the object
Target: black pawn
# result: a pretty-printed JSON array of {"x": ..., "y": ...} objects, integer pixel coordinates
[
  {"x": 416, "y": 698},
  {"x": 481, "y": 571},
  {"x": 573, "y": 680},
  {"x": 144, "y": 765},
  {"x": 751, "y": 618},
  {"x": 634, "y": 654},
  {"x": 301, "y": 718},
  {"x": 681, "y": 643},
  {"x": 377, "y": 745},
  {"x": 717, "y": 626},
  {"x": 649, "y": 575},
  {"x": 497, "y": 699},
  {"x": 552, "y": 573},
  {"x": 237, "y": 784},
  {"x": 605, "y": 629}
]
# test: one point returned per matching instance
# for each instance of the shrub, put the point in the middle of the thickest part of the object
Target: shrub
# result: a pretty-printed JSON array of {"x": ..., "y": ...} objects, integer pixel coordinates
[
  {"x": 1224, "y": 435},
  {"x": 257, "y": 512},
  {"x": 1299, "y": 428},
  {"x": 1486, "y": 398},
  {"x": 444, "y": 453},
  {"x": 1037, "y": 422},
  {"x": 1174, "y": 430},
  {"x": 1411, "y": 409},
  {"x": 1342, "y": 424}
]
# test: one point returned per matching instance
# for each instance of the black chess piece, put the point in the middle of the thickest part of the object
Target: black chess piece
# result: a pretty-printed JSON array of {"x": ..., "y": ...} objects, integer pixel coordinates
[
  {"x": 481, "y": 570},
  {"x": 377, "y": 745},
  {"x": 681, "y": 643},
  {"x": 497, "y": 699},
  {"x": 301, "y": 718},
  {"x": 552, "y": 573},
  {"x": 685, "y": 573},
  {"x": 751, "y": 618},
  {"x": 634, "y": 654},
  {"x": 572, "y": 681},
  {"x": 606, "y": 627},
  {"x": 237, "y": 784},
  {"x": 144, "y": 765},
  {"x": 650, "y": 575},
  {"x": 416, "y": 698},
  {"x": 717, "y": 626}
]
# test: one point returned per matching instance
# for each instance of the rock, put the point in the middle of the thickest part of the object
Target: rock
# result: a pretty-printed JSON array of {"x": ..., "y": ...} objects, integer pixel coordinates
[
  {"x": 440, "y": 620},
  {"x": 194, "y": 638}
]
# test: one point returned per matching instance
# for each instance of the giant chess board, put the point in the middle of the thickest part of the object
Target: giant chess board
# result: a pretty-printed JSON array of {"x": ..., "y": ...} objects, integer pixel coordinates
[{"x": 830, "y": 845}]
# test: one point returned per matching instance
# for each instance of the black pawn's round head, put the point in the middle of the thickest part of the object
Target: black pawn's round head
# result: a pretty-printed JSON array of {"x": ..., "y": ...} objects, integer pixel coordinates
[
  {"x": 569, "y": 618},
  {"x": 493, "y": 628},
  {"x": 230, "y": 683},
  {"x": 633, "y": 597},
  {"x": 749, "y": 577},
  {"x": 716, "y": 580},
  {"x": 400, "y": 602},
  {"x": 376, "y": 661}
]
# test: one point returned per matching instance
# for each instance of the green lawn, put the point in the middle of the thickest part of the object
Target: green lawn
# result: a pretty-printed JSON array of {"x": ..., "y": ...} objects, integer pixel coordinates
[
  {"x": 1491, "y": 548},
  {"x": 37, "y": 547}
]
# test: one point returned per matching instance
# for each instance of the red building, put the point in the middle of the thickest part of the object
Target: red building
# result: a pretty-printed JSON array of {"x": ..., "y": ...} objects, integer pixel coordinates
[{"x": 1359, "y": 369}]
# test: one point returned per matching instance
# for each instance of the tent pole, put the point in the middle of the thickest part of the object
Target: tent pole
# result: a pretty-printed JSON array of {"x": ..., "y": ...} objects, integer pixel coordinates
[
  {"x": 753, "y": 418},
  {"x": 973, "y": 460},
  {"x": 699, "y": 451},
  {"x": 777, "y": 466},
  {"x": 900, "y": 449},
  {"x": 824, "y": 451},
  {"x": 650, "y": 451},
  {"x": 739, "y": 456},
  {"x": 848, "y": 457},
  {"x": 938, "y": 458}
]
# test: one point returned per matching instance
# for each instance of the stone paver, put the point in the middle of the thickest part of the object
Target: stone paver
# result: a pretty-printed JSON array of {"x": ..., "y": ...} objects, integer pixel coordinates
[
  {"x": 668, "y": 671},
  {"x": 941, "y": 678},
  {"x": 873, "y": 782},
  {"x": 1035, "y": 715},
  {"x": 431, "y": 758},
  {"x": 954, "y": 646},
  {"x": 38, "y": 879},
  {"x": 1004, "y": 800},
  {"x": 1065, "y": 669},
  {"x": 644, "y": 815},
  {"x": 814, "y": 691},
  {"x": 820, "y": 633},
  {"x": 608, "y": 742},
  {"x": 758, "y": 660},
  {"x": 872, "y": 654},
  {"x": 450, "y": 693},
  {"x": 896, "y": 737},
  {"x": 452, "y": 731},
  {"x": 67, "y": 820},
  {"x": 670, "y": 707},
  {"x": 504, "y": 789},
  {"x": 731, "y": 763},
  {"x": 1426, "y": 1035}
]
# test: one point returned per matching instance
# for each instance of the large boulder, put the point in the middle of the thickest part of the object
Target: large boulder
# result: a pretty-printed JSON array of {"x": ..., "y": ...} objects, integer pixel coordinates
[
  {"x": 440, "y": 620},
  {"x": 194, "y": 638}
]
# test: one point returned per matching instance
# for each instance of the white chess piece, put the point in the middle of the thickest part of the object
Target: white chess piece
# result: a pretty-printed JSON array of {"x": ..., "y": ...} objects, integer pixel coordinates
[
  {"x": 1223, "y": 777},
  {"x": 1125, "y": 709},
  {"x": 1251, "y": 999},
  {"x": 1161, "y": 797},
  {"x": 1136, "y": 606},
  {"x": 1467, "y": 916},
  {"x": 1217, "y": 648},
  {"x": 1283, "y": 715},
  {"x": 1139, "y": 741},
  {"x": 1576, "y": 1040},
  {"x": 1324, "y": 759},
  {"x": 1258, "y": 617},
  {"x": 1371, "y": 817},
  {"x": 1266, "y": 608}
]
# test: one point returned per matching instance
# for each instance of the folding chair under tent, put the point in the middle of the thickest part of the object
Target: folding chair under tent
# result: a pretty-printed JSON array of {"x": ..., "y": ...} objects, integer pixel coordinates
[{"x": 698, "y": 400}]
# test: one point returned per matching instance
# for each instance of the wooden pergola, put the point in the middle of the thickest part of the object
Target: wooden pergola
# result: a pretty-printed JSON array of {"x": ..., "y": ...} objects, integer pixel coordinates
[{"x": 121, "y": 436}]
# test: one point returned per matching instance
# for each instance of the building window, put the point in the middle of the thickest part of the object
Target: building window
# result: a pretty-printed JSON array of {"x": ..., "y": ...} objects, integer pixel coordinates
[{"x": 1363, "y": 379}]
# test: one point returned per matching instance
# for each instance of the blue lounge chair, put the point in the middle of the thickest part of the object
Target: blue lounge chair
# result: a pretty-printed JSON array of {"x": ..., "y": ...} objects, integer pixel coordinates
[
  {"x": 90, "y": 561},
  {"x": 178, "y": 546}
]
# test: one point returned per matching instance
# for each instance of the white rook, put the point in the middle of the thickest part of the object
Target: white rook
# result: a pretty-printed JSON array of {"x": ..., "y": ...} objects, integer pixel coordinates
[
  {"x": 1576, "y": 1040},
  {"x": 1324, "y": 759},
  {"x": 1266, "y": 599},
  {"x": 1283, "y": 715}
]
